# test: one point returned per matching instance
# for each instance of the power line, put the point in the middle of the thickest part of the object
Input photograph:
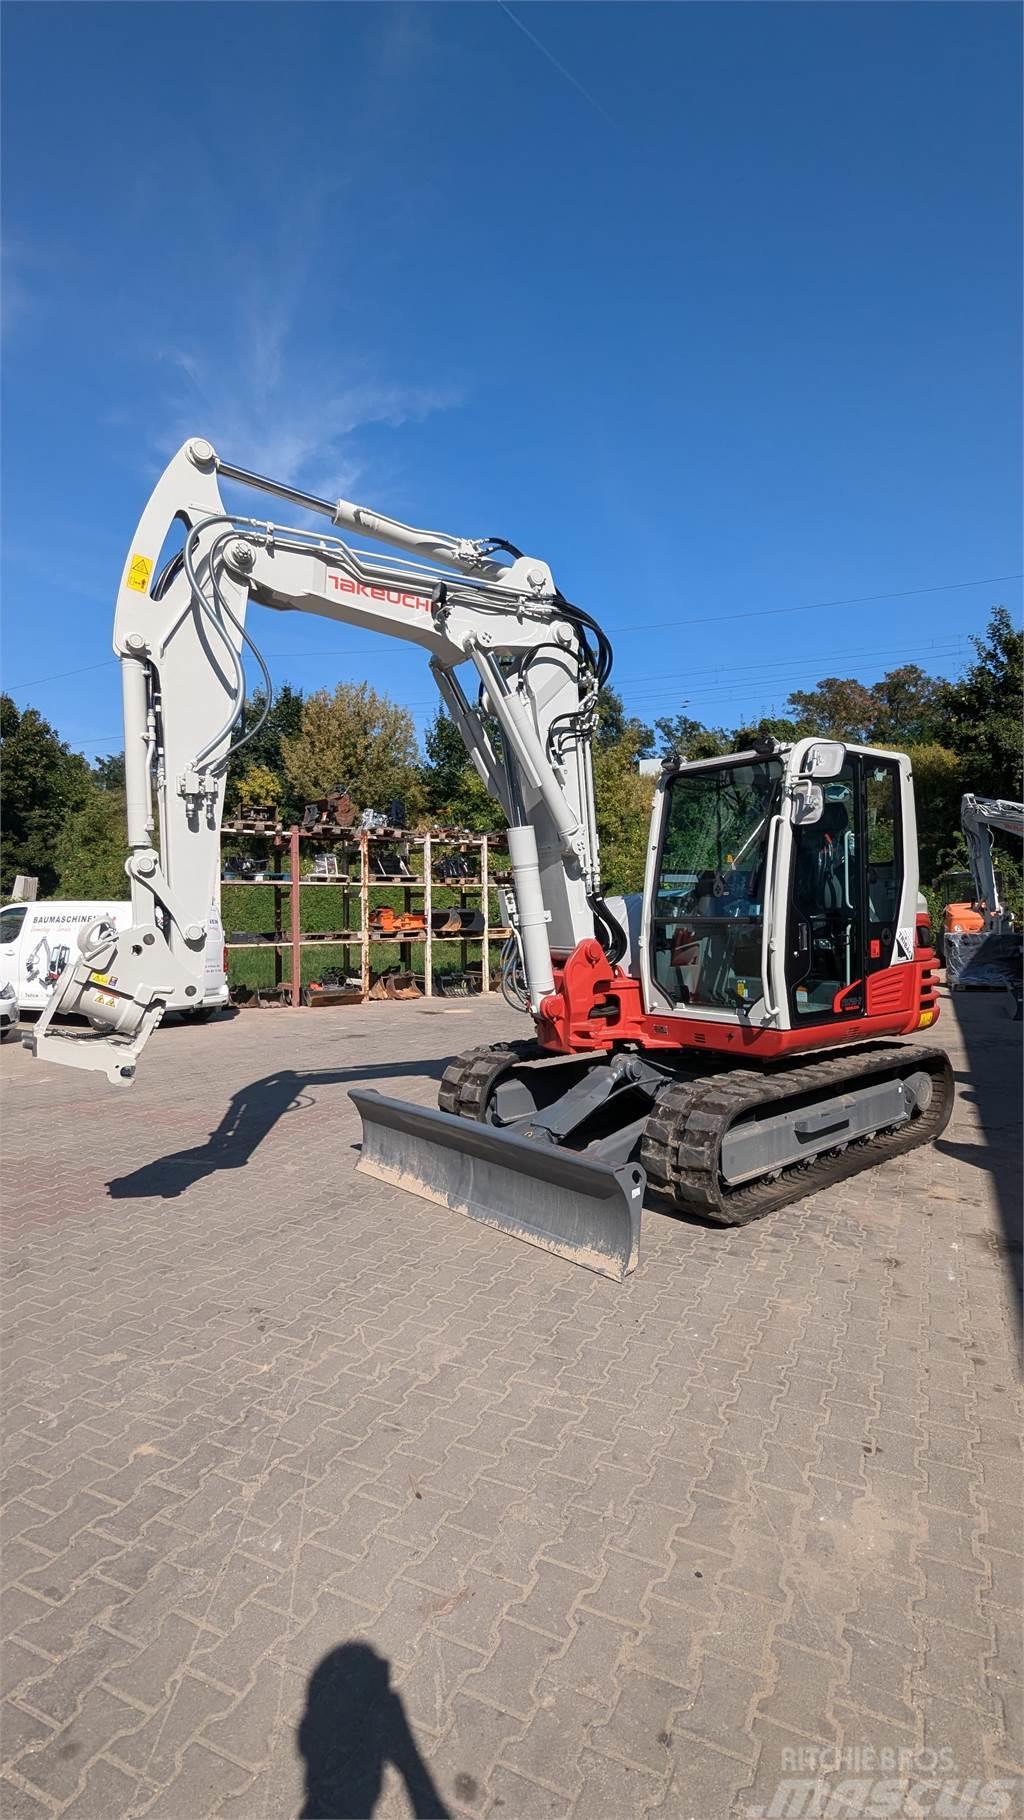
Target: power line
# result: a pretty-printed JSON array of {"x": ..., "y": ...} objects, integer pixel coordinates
[
  {"x": 775, "y": 670},
  {"x": 935, "y": 649},
  {"x": 36, "y": 681},
  {"x": 810, "y": 667},
  {"x": 811, "y": 606},
  {"x": 816, "y": 606},
  {"x": 723, "y": 694}
]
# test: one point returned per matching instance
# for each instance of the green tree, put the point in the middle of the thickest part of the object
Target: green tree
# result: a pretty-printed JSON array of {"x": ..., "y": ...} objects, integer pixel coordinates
[
  {"x": 613, "y": 724},
  {"x": 358, "y": 740},
  {"x": 446, "y": 759},
  {"x": 623, "y": 815},
  {"x": 109, "y": 772},
  {"x": 258, "y": 787},
  {"x": 264, "y": 748},
  {"x": 981, "y": 714},
  {"x": 938, "y": 787},
  {"x": 768, "y": 727},
  {"x": 623, "y": 806},
  {"x": 91, "y": 847},
  {"x": 908, "y": 708},
  {"x": 453, "y": 794},
  {"x": 42, "y": 784},
  {"x": 838, "y": 707},
  {"x": 903, "y": 709},
  {"x": 690, "y": 738}
]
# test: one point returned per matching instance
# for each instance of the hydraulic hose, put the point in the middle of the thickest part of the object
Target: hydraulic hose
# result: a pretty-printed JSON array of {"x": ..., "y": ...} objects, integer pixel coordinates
[
  {"x": 199, "y": 600},
  {"x": 204, "y": 606},
  {"x": 513, "y": 977},
  {"x": 613, "y": 941}
]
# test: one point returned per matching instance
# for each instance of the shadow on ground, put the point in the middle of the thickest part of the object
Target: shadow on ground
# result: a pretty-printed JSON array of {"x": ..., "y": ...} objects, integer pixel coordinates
[
  {"x": 354, "y": 1724},
  {"x": 252, "y": 1112},
  {"x": 995, "y": 1078}
]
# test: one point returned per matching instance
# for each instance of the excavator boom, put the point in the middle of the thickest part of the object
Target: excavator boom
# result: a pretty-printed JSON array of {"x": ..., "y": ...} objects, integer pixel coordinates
[{"x": 181, "y": 636}]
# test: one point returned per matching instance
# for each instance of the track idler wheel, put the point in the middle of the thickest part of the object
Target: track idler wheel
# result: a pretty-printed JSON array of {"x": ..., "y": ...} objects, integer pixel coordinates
[{"x": 468, "y": 1083}]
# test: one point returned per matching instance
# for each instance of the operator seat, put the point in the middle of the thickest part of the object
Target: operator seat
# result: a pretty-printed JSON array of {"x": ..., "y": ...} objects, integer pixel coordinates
[{"x": 820, "y": 885}]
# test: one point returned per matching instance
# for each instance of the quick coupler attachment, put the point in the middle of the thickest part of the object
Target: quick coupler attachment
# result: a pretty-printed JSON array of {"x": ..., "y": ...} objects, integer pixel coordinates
[{"x": 582, "y": 1210}]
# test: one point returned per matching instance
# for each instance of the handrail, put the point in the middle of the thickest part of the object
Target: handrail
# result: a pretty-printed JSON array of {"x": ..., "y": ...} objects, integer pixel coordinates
[{"x": 767, "y": 944}]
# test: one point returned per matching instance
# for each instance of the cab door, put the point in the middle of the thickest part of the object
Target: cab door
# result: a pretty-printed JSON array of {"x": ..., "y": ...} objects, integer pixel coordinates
[
  {"x": 825, "y": 936},
  {"x": 846, "y": 887}
]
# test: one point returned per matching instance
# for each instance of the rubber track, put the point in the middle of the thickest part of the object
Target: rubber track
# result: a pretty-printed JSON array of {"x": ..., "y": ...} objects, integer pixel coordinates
[
  {"x": 468, "y": 1081},
  {"x": 682, "y": 1142}
]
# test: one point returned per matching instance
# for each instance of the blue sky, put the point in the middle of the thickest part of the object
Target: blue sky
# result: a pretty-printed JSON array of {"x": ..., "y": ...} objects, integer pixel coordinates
[{"x": 714, "y": 306}]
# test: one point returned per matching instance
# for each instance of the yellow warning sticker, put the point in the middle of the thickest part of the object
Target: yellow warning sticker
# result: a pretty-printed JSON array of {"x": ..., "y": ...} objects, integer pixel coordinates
[
  {"x": 100, "y": 979},
  {"x": 139, "y": 571}
]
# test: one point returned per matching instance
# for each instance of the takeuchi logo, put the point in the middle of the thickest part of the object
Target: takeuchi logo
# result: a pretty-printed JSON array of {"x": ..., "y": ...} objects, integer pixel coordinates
[{"x": 392, "y": 597}]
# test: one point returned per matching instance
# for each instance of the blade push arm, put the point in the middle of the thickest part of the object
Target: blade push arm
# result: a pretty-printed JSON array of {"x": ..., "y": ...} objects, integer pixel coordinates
[{"x": 180, "y": 632}]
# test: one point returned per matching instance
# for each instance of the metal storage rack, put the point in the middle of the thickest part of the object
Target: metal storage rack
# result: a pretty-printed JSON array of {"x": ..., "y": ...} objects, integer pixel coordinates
[{"x": 356, "y": 886}]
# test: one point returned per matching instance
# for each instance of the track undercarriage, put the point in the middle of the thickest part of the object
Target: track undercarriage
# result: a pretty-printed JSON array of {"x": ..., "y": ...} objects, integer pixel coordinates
[{"x": 566, "y": 1145}]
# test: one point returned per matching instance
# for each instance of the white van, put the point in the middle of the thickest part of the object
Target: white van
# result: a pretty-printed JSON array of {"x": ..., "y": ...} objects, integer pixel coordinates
[{"x": 38, "y": 940}]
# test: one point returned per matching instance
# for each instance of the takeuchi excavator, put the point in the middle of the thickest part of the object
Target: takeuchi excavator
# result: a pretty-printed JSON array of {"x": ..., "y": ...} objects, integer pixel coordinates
[{"x": 725, "y": 1039}]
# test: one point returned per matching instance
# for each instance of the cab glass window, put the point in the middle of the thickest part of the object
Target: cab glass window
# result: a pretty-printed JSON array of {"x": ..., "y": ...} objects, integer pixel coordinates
[
  {"x": 709, "y": 907},
  {"x": 885, "y": 860},
  {"x": 825, "y": 946}
]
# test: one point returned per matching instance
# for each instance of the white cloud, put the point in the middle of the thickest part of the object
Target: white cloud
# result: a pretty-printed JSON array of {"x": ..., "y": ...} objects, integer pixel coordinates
[
  {"x": 247, "y": 378},
  {"x": 258, "y": 393},
  {"x": 288, "y": 429}
]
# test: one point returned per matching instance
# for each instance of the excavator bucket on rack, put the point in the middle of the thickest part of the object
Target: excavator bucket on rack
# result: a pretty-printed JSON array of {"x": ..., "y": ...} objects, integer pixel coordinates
[{"x": 584, "y": 1211}]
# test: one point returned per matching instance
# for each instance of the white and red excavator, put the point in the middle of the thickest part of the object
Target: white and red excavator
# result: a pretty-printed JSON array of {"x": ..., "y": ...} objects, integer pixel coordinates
[{"x": 726, "y": 1039}]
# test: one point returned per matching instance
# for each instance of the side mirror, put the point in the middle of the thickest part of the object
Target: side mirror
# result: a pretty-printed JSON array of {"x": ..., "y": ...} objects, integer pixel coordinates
[
  {"x": 808, "y": 802},
  {"x": 825, "y": 758}
]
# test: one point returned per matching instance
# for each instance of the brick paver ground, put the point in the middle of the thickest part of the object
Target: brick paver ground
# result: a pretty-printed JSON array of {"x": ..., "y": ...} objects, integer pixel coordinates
[{"x": 319, "y": 1500}]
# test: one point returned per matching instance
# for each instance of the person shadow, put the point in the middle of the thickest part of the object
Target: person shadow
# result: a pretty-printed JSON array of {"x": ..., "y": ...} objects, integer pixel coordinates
[
  {"x": 354, "y": 1724},
  {"x": 249, "y": 1117}
]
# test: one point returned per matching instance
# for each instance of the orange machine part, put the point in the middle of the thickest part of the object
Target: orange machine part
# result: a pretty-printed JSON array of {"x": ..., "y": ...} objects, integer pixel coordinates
[{"x": 962, "y": 919}]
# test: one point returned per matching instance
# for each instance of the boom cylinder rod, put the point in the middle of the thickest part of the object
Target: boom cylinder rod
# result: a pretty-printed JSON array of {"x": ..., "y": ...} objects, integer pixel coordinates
[
  {"x": 373, "y": 524},
  {"x": 533, "y": 918},
  {"x": 308, "y": 501},
  {"x": 135, "y": 700}
]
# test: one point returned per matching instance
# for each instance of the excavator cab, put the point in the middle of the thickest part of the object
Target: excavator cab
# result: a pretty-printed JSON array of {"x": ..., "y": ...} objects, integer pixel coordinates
[{"x": 776, "y": 898}]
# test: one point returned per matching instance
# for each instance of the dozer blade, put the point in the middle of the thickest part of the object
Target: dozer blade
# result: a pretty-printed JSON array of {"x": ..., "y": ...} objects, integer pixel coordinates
[{"x": 582, "y": 1210}]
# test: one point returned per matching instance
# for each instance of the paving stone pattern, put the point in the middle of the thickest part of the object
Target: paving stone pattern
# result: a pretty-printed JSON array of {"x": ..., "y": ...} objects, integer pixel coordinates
[{"x": 319, "y": 1500}]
